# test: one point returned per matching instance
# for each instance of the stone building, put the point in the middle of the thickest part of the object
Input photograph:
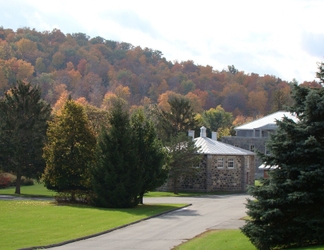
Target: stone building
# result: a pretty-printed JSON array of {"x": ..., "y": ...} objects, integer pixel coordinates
[
  {"x": 254, "y": 135},
  {"x": 223, "y": 168}
]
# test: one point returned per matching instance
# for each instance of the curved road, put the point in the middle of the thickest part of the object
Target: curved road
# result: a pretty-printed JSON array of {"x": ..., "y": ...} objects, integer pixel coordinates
[{"x": 171, "y": 229}]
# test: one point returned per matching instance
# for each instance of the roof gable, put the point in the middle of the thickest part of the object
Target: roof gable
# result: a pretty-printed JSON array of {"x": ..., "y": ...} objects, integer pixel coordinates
[
  {"x": 212, "y": 147},
  {"x": 267, "y": 122}
]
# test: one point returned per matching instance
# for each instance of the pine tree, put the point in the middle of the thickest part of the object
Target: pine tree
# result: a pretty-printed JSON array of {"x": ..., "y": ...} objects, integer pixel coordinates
[
  {"x": 116, "y": 179},
  {"x": 288, "y": 210},
  {"x": 180, "y": 118},
  {"x": 151, "y": 153},
  {"x": 183, "y": 159},
  {"x": 23, "y": 123},
  {"x": 69, "y": 151}
]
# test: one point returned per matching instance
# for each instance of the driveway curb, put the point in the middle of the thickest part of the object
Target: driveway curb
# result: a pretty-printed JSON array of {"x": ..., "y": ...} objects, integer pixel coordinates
[{"x": 101, "y": 233}]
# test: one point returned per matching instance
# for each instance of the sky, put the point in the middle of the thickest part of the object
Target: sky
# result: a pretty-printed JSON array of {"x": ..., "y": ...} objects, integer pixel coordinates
[{"x": 284, "y": 38}]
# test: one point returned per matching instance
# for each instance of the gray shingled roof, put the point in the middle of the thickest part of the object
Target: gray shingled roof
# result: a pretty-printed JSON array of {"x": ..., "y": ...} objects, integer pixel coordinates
[{"x": 212, "y": 147}]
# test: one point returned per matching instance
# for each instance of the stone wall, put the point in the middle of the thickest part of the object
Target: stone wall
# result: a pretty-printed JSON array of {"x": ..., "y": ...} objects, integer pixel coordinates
[
  {"x": 245, "y": 143},
  {"x": 212, "y": 178}
]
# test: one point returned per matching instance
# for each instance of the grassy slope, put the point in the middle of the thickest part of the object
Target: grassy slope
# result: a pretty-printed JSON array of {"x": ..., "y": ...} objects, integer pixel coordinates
[
  {"x": 35, "y": 223},
  {"x": 218, "y": 239},
  {"x": 40, "y": 190},
  {"x": 34, "y": 190},
  {"x": 224, "y": 240}
]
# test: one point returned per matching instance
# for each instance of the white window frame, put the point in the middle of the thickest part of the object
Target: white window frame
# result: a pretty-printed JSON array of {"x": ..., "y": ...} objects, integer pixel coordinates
[
  {"x": 232, "y": 161},
  {"x": 220, "y": 161}
]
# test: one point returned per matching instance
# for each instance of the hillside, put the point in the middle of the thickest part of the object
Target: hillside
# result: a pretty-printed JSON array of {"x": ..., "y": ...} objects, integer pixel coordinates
[{"x": 95, "y": 68}]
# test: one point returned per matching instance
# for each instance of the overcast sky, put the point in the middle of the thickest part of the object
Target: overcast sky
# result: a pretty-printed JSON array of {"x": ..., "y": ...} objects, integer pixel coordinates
[{"x": 284, "y": 38}]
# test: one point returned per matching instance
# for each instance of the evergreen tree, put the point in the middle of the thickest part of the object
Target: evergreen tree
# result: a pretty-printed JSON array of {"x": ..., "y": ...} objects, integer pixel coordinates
[
  {"x": 288, "y": 210},
  {"x": 180, "y": 118},
  {"x": 116, "y": 179},
  {"x": 183, "y": 159},
  {"x": 69, "y": 151},
  {"x": 150, "y": 152},
  {"x": 23, "y": 123}
]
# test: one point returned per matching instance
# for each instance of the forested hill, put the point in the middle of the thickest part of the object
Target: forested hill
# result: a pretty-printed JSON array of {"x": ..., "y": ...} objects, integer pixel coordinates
[{"x": 96, "y": 68}]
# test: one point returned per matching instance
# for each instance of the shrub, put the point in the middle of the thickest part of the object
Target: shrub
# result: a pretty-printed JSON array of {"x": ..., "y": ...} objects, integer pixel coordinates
[
  {"x": 4, "y": 181},
  {"x": 75, "y": 196},
  {"x": 11, "y": 179},
  {"x": 27, "y": 182}
]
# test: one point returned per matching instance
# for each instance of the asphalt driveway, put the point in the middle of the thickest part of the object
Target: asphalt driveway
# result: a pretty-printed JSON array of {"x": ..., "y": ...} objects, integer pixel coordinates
[{"x": 171, "y": 229}]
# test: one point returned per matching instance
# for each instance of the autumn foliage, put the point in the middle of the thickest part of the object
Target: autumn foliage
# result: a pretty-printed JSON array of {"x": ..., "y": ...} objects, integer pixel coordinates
[{"x": 98, "y": 70}]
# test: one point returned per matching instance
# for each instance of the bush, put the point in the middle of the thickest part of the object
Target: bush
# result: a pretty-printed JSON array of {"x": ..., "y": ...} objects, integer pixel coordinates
[
  {"x": 75, "y": 196},
  {"x": 4, "y": 181},
  {"x": 27, "y": 182},
  {"x": 9, "y": 180}
]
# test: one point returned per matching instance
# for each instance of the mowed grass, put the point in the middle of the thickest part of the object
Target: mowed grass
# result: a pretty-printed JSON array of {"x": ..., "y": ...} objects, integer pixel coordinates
[
  {"x": 224, "y": 240},
  {"x": 218, "y": 240},
  {"x": 35, "y": 190},
  {"x": 27, "y": 223},
  {"x": 39, "y": 190}
]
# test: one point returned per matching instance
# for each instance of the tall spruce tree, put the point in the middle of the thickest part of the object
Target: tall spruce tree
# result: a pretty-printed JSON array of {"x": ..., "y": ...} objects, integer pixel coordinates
[
  {"x": 116, "y": 177},
  {"x": 23, "y": 123},
  {"x": 289, "y": 206},
  {"x": 180, "y": 118},
  {"x": 151, "y": 154},
  {"x": 69, "y": 151},
  {"x": 183, "y": 160}
]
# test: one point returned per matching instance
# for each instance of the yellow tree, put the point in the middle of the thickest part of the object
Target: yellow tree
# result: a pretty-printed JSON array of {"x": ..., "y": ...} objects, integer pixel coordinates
[{"x": 257, "y": 101}]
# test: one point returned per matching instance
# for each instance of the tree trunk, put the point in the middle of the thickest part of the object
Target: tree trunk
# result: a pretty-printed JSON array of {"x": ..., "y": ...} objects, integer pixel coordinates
[
  {"x": 141, "y": 198},
  {"x": 73, "y": 199},
  {"x": 175, "y": 185},
  {"x": 18, "y": 182}
]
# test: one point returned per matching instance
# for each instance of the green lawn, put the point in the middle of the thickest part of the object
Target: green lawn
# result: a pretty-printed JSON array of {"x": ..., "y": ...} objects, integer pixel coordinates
[
  {"x": 224, "y": 240},
  {"x": 39, "y": 190},
  {"x": 29, "y": 223},
  {"x": 35, "y": 190}
]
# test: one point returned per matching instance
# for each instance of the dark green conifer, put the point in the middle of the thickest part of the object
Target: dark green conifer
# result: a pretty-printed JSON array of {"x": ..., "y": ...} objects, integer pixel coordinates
[
  {"x": 116, "y": 179},
  {"x": 288, "y": 209},
  {"x": 151, "y": 155},
  {"x": 23, "y": 123}
]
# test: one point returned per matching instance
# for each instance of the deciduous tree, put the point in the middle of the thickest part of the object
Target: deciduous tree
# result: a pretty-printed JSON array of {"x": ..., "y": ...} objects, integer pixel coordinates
[
  {"x": 69, "y": 151},
  {"x": 216, "y": 119}
]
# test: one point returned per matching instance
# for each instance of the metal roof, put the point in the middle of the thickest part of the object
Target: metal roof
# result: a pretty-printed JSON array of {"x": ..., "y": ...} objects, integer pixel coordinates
[
  {"x": 212, "y": 147},
  {"x": 267, "y": 122},
  {"x": 268, "y": 167}
]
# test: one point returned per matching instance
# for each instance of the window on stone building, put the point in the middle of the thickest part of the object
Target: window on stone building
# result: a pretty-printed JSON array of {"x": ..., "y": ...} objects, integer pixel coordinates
[
  {"x": 252, "y": 147},
  {"x": 220, "y": 163},
  {"x": 230, "y": 163}
]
